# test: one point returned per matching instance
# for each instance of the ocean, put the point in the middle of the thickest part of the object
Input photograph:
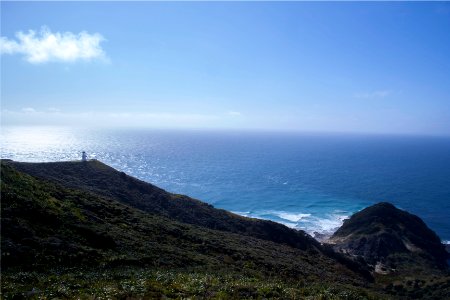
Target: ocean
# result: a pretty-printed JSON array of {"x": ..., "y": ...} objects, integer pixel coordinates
[{"x": 307, "y": 181}]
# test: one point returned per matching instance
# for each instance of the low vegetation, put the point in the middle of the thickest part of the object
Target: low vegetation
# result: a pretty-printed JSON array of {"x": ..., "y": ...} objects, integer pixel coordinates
[
  {"x": 85, "y": 230},
  {"x": 138, "y": 283}
]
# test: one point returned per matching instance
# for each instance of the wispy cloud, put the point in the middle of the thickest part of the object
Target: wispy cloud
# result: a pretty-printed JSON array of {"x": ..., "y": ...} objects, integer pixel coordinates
[
  {"x": 31, "y": 110},
  {"x": 53, "y": 110},
  {"x": 28, "y": 110},
  {"x": 53, "y": 116},
  {"x": 374, "y": 94},
  {"x": 45, "y": 46},
  {"x": 234, "y": 113}
]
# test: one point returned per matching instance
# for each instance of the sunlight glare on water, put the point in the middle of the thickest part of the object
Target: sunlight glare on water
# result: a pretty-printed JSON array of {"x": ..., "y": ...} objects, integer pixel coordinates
[{"x": 39, "y": 143}]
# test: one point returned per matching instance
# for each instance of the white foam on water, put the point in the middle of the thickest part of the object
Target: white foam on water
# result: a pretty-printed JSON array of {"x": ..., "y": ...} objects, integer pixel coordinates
[
  {"x": 318, "y": 227},
  {"x": 327, "y": 225},
  {"x": 292, "y": 217}
]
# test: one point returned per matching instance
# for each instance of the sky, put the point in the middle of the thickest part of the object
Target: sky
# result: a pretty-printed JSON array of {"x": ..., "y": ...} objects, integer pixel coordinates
[{"x": 375, "y": 67}]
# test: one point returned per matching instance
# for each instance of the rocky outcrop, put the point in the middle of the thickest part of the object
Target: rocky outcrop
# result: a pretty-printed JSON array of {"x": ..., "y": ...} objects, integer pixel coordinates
[{"x": 390, "y": 240}]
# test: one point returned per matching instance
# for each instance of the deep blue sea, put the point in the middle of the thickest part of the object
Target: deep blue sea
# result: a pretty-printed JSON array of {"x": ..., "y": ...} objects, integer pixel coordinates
[{"x": 305, "y": 181}]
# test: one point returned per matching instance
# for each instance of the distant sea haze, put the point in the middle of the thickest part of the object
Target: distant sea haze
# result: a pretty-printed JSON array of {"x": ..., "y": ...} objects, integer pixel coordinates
[{"x": 305, "y": 181}]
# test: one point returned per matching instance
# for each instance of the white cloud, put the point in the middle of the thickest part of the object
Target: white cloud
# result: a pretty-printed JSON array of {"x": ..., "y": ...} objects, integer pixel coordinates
[
  {"x": 374, "y": 94},
  {"x": 46, "y": 46}
]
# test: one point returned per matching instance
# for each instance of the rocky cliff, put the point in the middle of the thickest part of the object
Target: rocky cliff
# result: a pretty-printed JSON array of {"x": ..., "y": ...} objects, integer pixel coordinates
[{"x": 390, "y": 240}]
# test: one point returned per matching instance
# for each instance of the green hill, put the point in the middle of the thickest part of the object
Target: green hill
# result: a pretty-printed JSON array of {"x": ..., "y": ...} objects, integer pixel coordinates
[
  {"x": 84, "y": 230},
  {"x": 102, "y": 180},
  {"x": 48, "y": 228}
]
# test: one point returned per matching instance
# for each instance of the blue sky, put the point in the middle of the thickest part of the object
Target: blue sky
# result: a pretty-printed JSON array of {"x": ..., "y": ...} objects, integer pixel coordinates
[{"x": 349, "y": 67}]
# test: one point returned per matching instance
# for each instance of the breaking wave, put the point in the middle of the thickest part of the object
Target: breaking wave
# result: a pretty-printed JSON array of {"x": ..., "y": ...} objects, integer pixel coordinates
[{"x": 315, "y": 225}]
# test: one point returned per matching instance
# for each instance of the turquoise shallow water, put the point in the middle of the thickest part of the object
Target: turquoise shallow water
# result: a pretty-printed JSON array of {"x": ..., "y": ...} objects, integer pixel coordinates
[{"x": 306, "y": 181}]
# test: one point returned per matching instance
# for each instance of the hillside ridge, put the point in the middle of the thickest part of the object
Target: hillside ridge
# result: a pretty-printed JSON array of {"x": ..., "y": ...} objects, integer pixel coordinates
[
  {"x": 98, "y": 178},
  {"x": 65, "y": 215}
]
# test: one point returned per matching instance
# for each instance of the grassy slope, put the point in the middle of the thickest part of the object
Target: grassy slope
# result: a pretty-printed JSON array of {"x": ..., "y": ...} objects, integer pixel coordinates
[
  {"x": 100, "y": 179},
  {"x": 50, "y": 228},
  {"x": 105, "y": 233}
]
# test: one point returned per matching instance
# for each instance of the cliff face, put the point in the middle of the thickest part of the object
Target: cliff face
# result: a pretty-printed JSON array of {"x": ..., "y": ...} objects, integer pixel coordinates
[{"x": 390, "y": 240}]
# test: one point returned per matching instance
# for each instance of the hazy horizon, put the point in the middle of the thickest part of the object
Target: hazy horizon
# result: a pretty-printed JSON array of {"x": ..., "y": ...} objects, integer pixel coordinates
[{"x": 364, "y": 68}]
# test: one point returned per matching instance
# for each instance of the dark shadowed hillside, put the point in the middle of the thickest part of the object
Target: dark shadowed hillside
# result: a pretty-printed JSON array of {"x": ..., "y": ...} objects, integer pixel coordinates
[
  {"x": 102, "y": 180},
  {"x": 46, "y": 226},
  {"x": 78, "y": 229}
]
